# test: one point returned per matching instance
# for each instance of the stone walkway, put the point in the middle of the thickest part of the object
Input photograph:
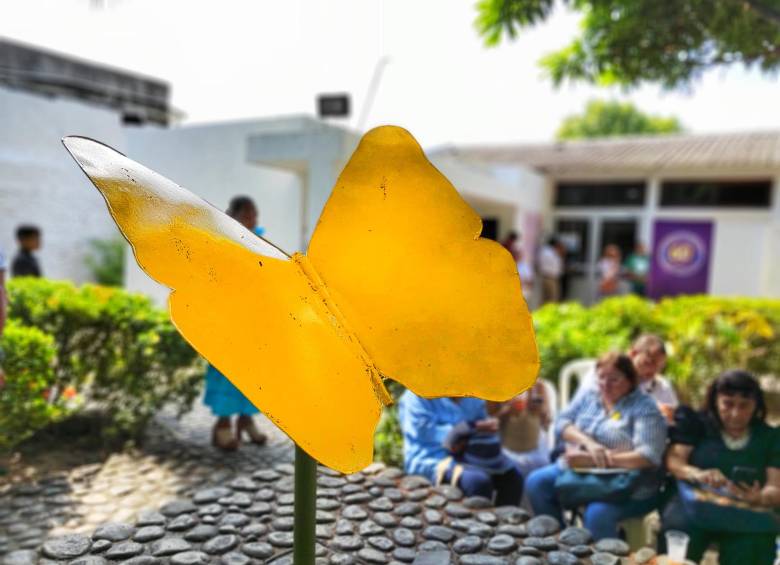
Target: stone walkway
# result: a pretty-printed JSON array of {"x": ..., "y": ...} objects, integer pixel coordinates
[
  {"x": 176, "y": 460},
  {"x": 181, "y": 502},
  {"x": 377, "y": 516}
]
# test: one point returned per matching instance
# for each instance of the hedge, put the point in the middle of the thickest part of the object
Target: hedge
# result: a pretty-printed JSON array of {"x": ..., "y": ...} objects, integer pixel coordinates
[
  {"x": 113, "y": 349},
  {"x": 705, "y": 335},
  {"x": 25, "y": 406}
]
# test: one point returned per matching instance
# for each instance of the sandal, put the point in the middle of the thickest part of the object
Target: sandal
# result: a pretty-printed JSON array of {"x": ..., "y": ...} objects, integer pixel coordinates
[
  {"x": 246, "y": 425},
  {"x": 222, "y": 436}
]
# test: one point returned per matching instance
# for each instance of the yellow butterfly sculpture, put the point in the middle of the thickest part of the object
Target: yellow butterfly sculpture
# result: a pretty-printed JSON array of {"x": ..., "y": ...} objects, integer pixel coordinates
[{"x": 396, "y": 284}]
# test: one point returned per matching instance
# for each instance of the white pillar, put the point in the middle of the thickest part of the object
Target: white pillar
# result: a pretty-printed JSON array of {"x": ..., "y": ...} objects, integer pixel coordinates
[{"x": 652, "y": 202}]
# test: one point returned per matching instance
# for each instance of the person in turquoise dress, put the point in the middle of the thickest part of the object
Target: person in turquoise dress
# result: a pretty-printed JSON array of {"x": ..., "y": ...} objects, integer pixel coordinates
[
  {"x": 224, "y": 399},
  {"x": 637, "y": 267}
]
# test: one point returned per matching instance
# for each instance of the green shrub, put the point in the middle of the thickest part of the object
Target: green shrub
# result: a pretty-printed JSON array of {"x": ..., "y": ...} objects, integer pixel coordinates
[
  {"x": 106, "y": 260},
  {"x": 116, "y": 348},
  {"x": 570, "y": 331},
  {"x": 705, "y": 335},
  {"x": 708, "y": 335},
  {"x": 25, "y": 404},
  {"x": 388, "y": 442}
]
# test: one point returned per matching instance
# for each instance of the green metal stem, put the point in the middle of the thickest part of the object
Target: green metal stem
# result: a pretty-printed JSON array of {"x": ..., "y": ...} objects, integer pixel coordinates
[{"x": 305, "y": 508}]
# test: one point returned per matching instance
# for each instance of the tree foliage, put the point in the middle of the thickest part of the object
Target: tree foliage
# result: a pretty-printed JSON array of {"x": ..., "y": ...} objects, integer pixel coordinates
[
  {"x": 627, "y": 42},
  {"x": 604, "y": 118}
]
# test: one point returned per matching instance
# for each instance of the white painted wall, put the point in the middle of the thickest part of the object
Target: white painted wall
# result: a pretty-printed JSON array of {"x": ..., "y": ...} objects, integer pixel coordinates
[
  {"x": 42, "y": 185},
  {"x": 211, "y": 161},
  {"x": 738, "y": 258}
]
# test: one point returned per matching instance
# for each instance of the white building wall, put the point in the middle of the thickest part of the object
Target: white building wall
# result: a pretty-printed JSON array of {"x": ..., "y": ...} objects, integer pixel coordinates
[
  {"x": 42, "y": 185},
  {"x": 771, "y": 259},
  {"x": 739, "y": 251}
]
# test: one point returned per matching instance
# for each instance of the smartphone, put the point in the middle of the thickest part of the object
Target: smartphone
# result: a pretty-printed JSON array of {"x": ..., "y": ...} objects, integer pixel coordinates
[{"x": 744, "y": 475}]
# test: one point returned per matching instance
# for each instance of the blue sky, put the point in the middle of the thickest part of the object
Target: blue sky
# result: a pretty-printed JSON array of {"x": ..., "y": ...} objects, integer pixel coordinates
[{"x": 236, "y": 59}]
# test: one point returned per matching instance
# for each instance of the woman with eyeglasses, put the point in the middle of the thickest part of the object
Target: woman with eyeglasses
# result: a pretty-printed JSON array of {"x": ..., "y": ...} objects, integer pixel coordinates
[{"x": 614, "y": 429}]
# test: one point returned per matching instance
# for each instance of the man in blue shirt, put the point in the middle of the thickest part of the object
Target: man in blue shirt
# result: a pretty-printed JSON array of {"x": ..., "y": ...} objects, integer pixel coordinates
[{"x": 452, "y": 441}]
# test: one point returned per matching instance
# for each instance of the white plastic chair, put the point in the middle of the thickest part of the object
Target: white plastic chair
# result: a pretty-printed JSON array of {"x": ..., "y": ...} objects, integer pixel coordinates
[
  {"x": 576, "y": 369},
  {"x": 552, "y": 395}
]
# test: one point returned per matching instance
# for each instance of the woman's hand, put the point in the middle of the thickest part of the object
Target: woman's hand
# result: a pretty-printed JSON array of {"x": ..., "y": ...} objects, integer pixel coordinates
[
  {"x": 489, "y": 425},
  {"x": 711, "y": 477},
  {"x": 750, "y": 494},
  {"x": 575, "y": 457},
  {"x": 505, "y": 410},
  {"x": 600, "y": 454}
]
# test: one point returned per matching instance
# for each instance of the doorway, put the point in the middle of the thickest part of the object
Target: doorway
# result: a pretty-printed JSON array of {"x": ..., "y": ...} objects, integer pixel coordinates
[{"x": 585, "y": 238}]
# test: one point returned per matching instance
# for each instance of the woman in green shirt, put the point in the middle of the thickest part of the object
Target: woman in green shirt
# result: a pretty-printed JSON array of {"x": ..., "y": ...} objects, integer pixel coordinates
[{"x": 728, "y": 447}]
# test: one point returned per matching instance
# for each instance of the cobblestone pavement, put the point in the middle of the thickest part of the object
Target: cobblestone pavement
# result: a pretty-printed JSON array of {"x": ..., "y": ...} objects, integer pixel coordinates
[
  {"x": 373, "y": 517},
  {"x": 178, "y": 501},
  {"x": 176, "y": 460}
]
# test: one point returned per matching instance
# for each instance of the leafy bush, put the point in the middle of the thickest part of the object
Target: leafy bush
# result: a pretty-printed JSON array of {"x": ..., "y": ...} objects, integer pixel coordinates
[
  {"x": 388, "y": 441},
  {"x": 116, "y": 348},
  {"x": 106, "y": 260},
  {"x": 705, "y": 335},
  {"x": 29, "y": 378},
  {"x": 709, "y": 335},
  {"x": 570, "y": 331}
]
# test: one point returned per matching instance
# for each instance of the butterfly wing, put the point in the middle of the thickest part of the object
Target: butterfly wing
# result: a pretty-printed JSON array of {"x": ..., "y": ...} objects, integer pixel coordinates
[
  {"x": 245, "y": 307},
  {"x": 435, "y": 307}
]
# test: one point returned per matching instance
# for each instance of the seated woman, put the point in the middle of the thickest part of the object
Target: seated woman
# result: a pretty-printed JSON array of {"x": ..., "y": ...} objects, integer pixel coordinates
[
  {"x": 729, "y": 447},
  {"x": 524, "y": 422},
  {"x": 452, "y": 441},
  {"x": 616, "y": 426}
]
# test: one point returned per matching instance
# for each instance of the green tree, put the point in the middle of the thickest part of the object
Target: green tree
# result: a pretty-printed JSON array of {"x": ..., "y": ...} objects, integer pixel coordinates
[
  {"x": 627, "y": 42},
  {"x": 603, "y": 118}
]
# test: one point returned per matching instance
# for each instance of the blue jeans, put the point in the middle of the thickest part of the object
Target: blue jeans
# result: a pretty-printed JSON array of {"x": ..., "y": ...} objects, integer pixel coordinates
[
  {"x": 600, "y": 518},
  {"x": 508, "y": 486}
]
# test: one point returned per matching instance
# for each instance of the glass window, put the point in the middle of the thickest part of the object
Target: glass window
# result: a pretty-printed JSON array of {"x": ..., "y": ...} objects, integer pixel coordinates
[
  {"x": 714, "y": 193},
  {"x": 574, "y": 233},
  {"x": 600, "y": 194}
]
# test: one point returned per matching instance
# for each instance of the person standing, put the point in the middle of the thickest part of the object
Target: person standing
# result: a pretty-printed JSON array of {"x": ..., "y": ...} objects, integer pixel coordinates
[
  {"x": 25, "y": 263},
  {"x": 637, "y": 268},
  {"x": 512, "y": 244},
  {"x": 224, "y": 399},
  {"x": 609, "y": 271},
  {"x": 526, "y": 271},
  {"x": 551, "y": 269}
]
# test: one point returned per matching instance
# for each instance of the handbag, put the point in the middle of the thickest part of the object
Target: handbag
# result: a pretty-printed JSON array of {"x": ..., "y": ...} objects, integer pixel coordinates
[
  {"x": 575, "y": 488},
  {"x": 714, "y": 512}
]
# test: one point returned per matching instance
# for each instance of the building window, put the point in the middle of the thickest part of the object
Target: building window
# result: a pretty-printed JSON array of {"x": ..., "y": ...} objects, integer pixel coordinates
[
  {"x": 715, "y": 193},
  {"x": 570, "y": 194}
]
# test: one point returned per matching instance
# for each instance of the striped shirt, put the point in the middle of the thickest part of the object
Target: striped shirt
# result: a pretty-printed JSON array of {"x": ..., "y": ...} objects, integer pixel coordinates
[
  {"x": 633, "y": 424},
  {"x": 658, "y": 387}
]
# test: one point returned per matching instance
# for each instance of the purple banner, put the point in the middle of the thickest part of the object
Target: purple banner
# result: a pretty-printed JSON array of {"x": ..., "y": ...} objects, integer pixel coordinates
[{"x": 681, "y": 258}]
